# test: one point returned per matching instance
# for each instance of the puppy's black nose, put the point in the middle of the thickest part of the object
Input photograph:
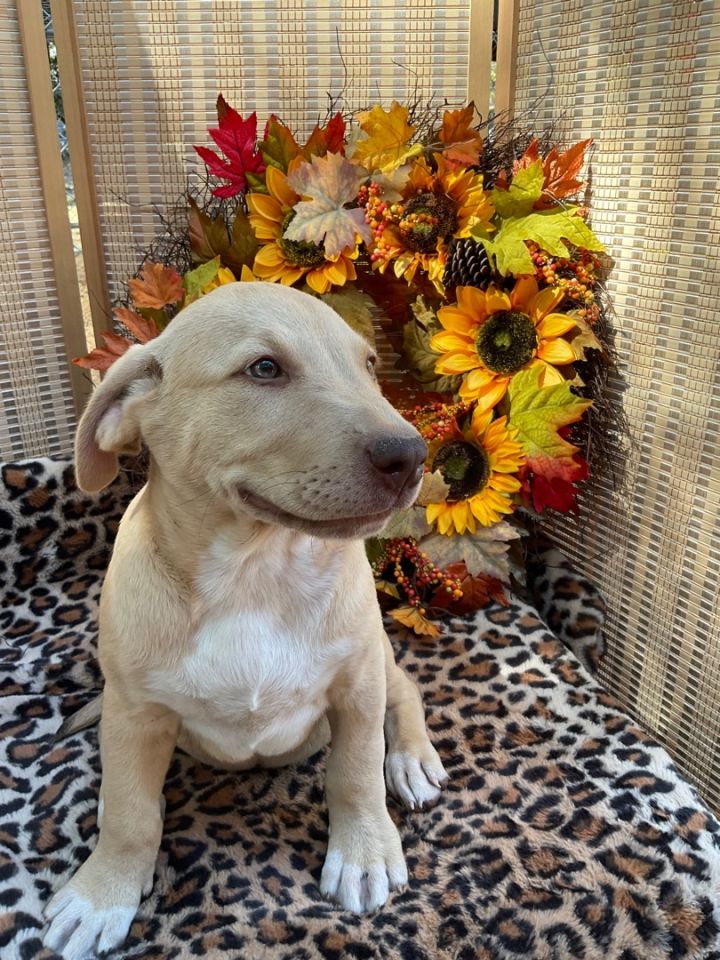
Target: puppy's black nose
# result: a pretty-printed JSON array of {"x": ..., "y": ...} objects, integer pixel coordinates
[{"x": 398, "y": 459}]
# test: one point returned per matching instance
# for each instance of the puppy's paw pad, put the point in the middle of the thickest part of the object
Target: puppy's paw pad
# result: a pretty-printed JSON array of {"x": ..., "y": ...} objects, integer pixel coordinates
[
  {"x": 78, "y": 930},
  {"x": 415, "y": 780}
]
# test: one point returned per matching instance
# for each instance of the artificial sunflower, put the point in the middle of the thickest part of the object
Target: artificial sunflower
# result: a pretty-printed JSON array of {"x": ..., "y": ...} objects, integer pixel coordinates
[
  {"x": 480, "y": 465},
  {"x": 489, "y": 335},
  {"x": 286, "y": 261},
  {"x": 436, "y": 206}
]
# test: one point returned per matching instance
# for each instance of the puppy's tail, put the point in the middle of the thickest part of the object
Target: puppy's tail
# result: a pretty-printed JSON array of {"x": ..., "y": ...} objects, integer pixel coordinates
[{"x": 84, "y": 717}]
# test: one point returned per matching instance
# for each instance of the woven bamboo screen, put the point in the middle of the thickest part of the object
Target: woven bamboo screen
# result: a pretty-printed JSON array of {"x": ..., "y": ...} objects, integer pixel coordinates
[
  {"x": 643, "y": 78},
  {"x": 152, "y": 72},
  {"x": 37, "y": 414}
]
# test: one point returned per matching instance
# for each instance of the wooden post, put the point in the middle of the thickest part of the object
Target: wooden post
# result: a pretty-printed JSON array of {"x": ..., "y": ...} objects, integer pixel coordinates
[
  {"x": 47, "y": 142},
  {"x": 480, "y": 59},
  {"x": 508, "y": 16},
  {"x": 81, "y": 161}
]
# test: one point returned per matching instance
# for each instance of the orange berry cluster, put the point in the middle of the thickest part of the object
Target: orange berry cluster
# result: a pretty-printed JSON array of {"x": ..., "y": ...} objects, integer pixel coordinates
[
  {"x": 577, "y": 276},
  {"x": 378, "y": 214},
  {"x": 436, "y": 421},
  {"x": 414, "y": 572}
]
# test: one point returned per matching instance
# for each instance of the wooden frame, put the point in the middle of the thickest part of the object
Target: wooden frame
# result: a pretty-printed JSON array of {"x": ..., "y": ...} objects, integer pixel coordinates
[
  {"x": 480, "y": 58},
  {"x": 507, "y": 39},
  {"x": 81, "y": 161},
  {"x": 42, "y": 108}
]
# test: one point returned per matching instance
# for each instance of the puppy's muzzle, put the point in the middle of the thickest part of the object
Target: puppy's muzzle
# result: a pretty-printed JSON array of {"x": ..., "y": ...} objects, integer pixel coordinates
[{"x": 397, "y": 461}]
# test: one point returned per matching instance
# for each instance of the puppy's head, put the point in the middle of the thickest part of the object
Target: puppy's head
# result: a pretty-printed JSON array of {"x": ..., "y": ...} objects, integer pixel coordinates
[{"x": 260, "y": 397}]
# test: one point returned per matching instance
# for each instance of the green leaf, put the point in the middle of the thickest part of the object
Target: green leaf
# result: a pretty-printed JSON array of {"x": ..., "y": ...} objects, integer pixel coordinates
[
  {"x": 420, "y": 358},
  {"x": 243, "y": 246},
  {"x": 374, "y": 548},
  {"x": 279, "y": 146},
  {"x": 196, "y": 280},
  {"x": 526, "y": 188},
  {"x": 537, "y": 413},
  {"x": 208, "y": 237},
  {"x": 256, "y": 182},
  {"x": 355, "y": 307},
  {"x": 485, "y": 551},
  {"x": 549, "y": 229}
]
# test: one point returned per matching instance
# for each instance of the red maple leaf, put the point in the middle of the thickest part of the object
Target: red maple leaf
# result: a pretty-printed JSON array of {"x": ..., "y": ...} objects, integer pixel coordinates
[
  {"x": 237, "y": 139},
  {"x": 548, "y": 482},
  {"x": 328, "y": 139}
]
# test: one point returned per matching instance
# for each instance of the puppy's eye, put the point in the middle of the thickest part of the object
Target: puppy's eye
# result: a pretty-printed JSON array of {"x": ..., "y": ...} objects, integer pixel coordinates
[
  {"x": 370, "y": 364},
  {"x": 265, "y": 369}
]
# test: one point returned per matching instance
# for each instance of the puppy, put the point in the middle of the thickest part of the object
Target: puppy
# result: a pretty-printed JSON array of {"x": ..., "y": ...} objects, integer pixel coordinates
[{"x": 239, "y": 618}]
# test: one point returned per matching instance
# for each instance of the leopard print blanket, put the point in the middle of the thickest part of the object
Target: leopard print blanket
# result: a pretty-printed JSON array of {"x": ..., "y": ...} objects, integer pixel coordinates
[{"x": 565, "y": 832}]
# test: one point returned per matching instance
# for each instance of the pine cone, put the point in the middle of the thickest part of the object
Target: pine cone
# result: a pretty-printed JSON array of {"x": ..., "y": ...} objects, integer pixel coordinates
[{"x": 468, "y": 265}]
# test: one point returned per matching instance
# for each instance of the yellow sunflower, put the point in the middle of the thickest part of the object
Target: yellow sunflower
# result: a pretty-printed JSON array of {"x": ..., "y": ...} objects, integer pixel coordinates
[
  {"x": 489, "y": 335},
  {"x": 284, "y": 260},
  {"x": 479, "y": 465},
  {"x": 436, "y": 207}
]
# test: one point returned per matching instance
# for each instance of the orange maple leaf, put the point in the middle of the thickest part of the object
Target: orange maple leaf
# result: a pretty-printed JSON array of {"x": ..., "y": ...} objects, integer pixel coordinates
[
  {"x": 140, "y": 327},
  {"x": 462, "y": 143},
  {"x": 477, "y": 591},
  {"x": 561, "y": 171},
  {"x": 156, "y": 286},
  {"x": 101, "y": 358},
  {"x": 411, "y": 617}
]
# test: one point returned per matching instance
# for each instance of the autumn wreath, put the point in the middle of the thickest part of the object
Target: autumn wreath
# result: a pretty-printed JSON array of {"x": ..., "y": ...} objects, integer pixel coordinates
[{"x": 466, "y": 256}]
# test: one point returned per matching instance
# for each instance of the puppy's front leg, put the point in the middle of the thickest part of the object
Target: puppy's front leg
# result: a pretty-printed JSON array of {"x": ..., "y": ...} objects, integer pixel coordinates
[
  {"x": 93, "y": 912},
  {"x": 413, "y": 770},
  {"x": 364, "y": 859}
]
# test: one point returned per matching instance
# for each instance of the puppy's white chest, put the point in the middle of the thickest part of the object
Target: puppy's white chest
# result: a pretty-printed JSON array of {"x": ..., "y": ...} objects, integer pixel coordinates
[{"x": 256, "y": 676}]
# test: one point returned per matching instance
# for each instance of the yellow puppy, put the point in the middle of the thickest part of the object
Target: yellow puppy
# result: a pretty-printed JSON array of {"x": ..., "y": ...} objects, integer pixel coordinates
[{"x": 238, "y": 618}]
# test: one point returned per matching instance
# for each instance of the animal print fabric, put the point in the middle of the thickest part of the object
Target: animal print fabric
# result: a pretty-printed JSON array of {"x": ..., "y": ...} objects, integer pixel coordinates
[{"x": 565, "y": 832}]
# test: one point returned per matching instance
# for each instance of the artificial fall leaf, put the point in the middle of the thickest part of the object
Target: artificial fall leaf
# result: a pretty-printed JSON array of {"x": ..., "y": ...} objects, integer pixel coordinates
[
  {"x": 433, "y": 489},
  {"x": 548, "y": 482},
  {"x": 355, "y": 307},
  {"x": 538, "y": 413},
  {"x": 101, "y": 358},
  {"x": 243, "y": 245},
  {"x": 329, "y": 139},
  {"x": 561, "y": 170},
  {"x": 142, "y": 328},
  {"x": 551, "y": 230},
  {"x": 331, "y": 182},
  {"x": 205, "y": 278},
  {"x": 387, "y": 144},
  {"x": 420, "y": 359},
  {"x": 278, "y": 146},
  {"x": 461, "y": 143},
  {"x": 237, "y": 139},
  {"x": 532, "y": 153},
  {"x": 409, "y": 522},
  {"x": 411, "y": 617},
  {"x": 585, "y": 339},
  {"x": 484, "y": 552},
  {"x": 518, "y": 199},
  {"x": 208, "y": 236},
  {"x": 156, "y": 286},
  {"x": 478, "y": 592}
]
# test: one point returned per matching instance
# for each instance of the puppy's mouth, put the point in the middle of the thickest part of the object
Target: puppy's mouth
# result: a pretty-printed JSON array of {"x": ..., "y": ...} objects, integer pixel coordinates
[{"x": 360, "y": 526}]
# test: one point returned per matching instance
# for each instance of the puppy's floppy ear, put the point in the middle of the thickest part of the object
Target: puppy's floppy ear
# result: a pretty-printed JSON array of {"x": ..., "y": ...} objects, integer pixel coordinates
[{"x": 111, "y": 422}]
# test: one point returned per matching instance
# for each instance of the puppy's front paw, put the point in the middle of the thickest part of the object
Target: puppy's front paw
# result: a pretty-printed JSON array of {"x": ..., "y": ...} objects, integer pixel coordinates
[
  {"x": 92, "y": 913},
  {"x": 363, "y": 864},
  {"x": 415, "y": 778}
]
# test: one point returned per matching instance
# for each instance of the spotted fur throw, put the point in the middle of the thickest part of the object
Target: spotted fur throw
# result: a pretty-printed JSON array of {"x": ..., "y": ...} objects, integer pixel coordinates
[{"x": 565, "y": 832}]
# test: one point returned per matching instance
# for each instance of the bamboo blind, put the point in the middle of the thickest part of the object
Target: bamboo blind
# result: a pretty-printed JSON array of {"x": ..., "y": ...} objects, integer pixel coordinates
[
  {"x": 38, "y": 413},
  {"x": 152, "y": 72},
  {"x": 643, "y": 78}
]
